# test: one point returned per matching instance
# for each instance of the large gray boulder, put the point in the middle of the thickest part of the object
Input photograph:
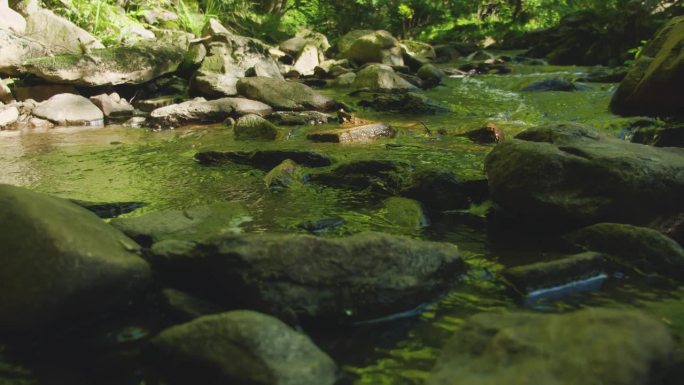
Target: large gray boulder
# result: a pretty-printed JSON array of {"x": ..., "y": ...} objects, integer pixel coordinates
[
  {"x": 295, "y": 45},
  {"x": 11, "y": 20},
  {"x": 60, "y": 262},
  {"x": 592, "y": 346},
  {"x": 568, "y": 175},
  {"x": 16, "y": 49},
  {"x": 654, "y": 85},
  {"x": 241, "y": 347},
  {"x": 56, "y": 31},
  {"x": 70, "y": 110},
  {"x": 284, "y": 95},
  {"x": 359, "y": 277},
  {"x": 201, "y": 111},
  {"x": 371, "y": 47},
  {"x": 381, "y": 78},
  {"x": 228, "y": 60},
  {"x": 109, "y": 66}
]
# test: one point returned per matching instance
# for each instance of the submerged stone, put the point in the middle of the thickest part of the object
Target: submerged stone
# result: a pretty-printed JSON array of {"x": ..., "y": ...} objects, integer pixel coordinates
[
  {"x": 360, "y": 277},
  {"x": 554, "y": 84},
  {"x": 591, "y": 346},
  {"x": 266, "y": 159},
  {"x": 191, "y": 223},
  {"x": 108, "y": 209},
  {"x": 241, "y": 347},
  {"x": 408, "y": 103}
]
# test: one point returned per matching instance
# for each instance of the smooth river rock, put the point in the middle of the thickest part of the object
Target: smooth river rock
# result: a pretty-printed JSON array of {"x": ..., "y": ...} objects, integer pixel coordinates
[
  {"x": 60, "y": 263},
  {"x": 70, "y": 110},
  {"x": 202, "y": 111}
]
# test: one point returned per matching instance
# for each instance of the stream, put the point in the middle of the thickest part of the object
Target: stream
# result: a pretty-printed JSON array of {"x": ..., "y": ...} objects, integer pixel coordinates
[{"x": 119, "y": 164}]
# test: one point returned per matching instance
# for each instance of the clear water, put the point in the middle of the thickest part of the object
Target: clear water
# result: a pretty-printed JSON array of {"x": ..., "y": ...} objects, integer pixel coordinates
[{"x": 125, "y": 164}]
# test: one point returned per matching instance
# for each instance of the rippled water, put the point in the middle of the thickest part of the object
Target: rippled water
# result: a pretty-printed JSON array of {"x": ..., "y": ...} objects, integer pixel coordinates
[{"x": 125, "y": 164}]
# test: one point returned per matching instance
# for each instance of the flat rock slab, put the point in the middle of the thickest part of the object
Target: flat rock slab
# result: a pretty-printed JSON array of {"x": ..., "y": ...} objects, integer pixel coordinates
[
  {"x": 360, "y": 277},
  {"x": 241, "y": 347},
  {"x": 191, "y": 223},
  {"x": 108, "y": 66},
  {"x": 359, "y": 134},
  {"x": 263, "y": 159},
  {"x": 592, "y": 346},
  {"x": 70, "y": 110}
]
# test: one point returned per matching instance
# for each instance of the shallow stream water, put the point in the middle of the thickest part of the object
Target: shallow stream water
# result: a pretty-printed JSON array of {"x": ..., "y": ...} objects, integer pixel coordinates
[{"x": 116, "y": 164}]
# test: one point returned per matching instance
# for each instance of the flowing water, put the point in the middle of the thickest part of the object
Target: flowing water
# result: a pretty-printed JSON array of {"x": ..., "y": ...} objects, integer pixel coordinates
[{"x": 116, "y": 164}]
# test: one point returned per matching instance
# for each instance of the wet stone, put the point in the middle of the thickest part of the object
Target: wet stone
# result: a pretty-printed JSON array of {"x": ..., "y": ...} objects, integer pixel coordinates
[
  {"x": 643, "y": 249},
  {"x": 556, "y": 278},
  {"x": 359, "y": 277}
]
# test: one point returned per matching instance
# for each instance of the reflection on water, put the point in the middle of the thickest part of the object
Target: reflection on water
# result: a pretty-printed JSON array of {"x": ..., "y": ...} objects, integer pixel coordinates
[{"x": 125, "y": 164}]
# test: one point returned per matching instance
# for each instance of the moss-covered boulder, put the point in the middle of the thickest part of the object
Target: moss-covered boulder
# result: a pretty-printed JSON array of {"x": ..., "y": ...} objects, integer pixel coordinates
[
  {"x": 592, "y": 346},
  {"x": 60, "y": 263},
  {"x": 549, "y": 176},
  {"x": 640, "y": 248},
  {"x": 108, "y": 66},
  {"x": 228, "y": 60},
  {"x": 381, "y": 78},
  {"x": 283, "y": 176},
  {"x": 404, "y": 212},
  {"x": 430, "y": 75},
  {"x": 372, "y": 47},
  {"x": 295, "y": 45},
  {"x": 654, "y": 85},
  {"x": 255, "y": 127},
  {"x": 284, "y": 95},
  {"x": 359, "y": 277},
  {"x": 241, "y": 347}
]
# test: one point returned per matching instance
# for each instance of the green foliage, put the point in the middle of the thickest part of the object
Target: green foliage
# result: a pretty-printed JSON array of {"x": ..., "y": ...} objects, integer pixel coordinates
[{"x": 274, "y": 20}]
